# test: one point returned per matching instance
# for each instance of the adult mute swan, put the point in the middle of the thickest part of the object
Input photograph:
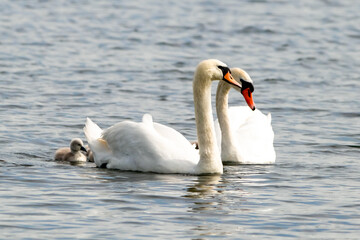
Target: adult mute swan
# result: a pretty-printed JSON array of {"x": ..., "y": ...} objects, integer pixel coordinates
[
  {"x": 152, "y": 147},
  {"x": 72, "y": 154},
  {"x": 246, "y": 136}
]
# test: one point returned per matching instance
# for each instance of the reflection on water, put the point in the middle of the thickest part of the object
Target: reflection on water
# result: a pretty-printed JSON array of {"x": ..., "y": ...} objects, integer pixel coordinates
[
  {"x": 210, "y": 198},
  {"x": 204, "y": 186},
  {"x": 204, "y": 194}
]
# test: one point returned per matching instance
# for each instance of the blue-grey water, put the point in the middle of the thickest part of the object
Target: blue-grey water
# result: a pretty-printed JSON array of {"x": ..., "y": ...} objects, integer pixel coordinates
[{"x": 62, "y": 61}]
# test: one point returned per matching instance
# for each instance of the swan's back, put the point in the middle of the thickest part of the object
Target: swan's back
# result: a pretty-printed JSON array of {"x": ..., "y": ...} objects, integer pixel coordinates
[{"x": 253, "y": 135}]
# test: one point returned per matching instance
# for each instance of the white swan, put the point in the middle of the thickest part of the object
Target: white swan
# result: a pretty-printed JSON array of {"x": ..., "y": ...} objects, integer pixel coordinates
[
  {"x": 152, "y": 147},
  {"x": 246, "y": 136},
  {"x": 72, "y": 154}
]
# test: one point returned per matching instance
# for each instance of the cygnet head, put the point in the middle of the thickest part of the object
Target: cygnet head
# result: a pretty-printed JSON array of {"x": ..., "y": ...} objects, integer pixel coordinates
[
  {"x": 215, "y": 70},
  {"x": 247, "y": 86},
  {"x": 76, "y": 145}
]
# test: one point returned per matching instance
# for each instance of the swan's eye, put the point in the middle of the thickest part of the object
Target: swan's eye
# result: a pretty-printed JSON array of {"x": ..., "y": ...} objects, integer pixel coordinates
[{"x": 224, "y": 70}]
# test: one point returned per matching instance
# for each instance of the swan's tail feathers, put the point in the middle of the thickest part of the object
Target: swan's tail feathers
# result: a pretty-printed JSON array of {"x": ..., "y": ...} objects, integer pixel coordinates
[
  {"x": 92, "y": 131},
  {"x": 98, "y": 145},
  {"x": 269, "y": 117},
  {"x": 147, "y": 119}
]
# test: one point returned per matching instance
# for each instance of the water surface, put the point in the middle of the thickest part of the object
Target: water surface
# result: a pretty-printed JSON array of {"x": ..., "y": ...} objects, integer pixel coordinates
[{"x": 63, "y": 61}]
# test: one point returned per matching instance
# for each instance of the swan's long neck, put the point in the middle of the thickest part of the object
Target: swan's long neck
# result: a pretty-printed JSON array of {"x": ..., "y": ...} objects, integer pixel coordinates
[
  {"x": 228, "y": 149},
  {"x": 210, "y": 161}
]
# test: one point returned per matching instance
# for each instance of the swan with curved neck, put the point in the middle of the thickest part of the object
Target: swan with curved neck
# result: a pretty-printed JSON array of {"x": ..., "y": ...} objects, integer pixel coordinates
[
  {"x": 152, "y": 147},
  {"x": 246, "y": 136}
]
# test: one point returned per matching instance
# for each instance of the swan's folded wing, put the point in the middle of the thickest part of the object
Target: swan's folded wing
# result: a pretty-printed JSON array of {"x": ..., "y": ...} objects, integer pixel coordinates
[
  {"x": 149, "y": 147},
  {"x": 255, "y": 138},
  {"x": 253, "y": 135}
]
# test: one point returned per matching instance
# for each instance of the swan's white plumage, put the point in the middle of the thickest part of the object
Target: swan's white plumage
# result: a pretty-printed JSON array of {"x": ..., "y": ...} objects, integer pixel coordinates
[
  {"x": 253, "y": 136},
  {"x": 142, "y": 146},
  {"x": 100, "y": 150}
]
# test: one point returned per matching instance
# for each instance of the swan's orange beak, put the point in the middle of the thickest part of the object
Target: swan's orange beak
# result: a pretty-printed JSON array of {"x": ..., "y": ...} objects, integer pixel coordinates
[
  {"x": 248, "y": 98},
  {"x": 229, "y": 78}
]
